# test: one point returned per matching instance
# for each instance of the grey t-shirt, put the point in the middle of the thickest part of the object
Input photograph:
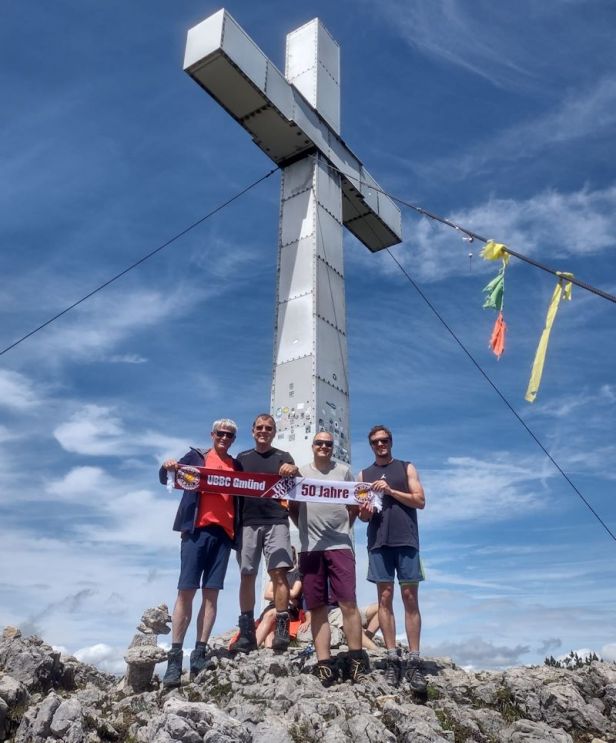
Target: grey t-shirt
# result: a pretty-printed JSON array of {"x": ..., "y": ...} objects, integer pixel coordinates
[{"x": 325, "y": 526}]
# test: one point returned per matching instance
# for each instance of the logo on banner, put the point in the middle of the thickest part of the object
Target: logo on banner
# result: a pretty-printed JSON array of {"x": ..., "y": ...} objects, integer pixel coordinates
[
  {"x": 362, "y": 493},
  {"x": 281, "y": 489},
  {"x": 188, "y": 478}
]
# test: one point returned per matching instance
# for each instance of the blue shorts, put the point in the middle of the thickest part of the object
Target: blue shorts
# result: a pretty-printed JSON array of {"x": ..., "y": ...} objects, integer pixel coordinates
[
  {"x": 204, "y": 557},
  {"x": 385, "y": 562}
]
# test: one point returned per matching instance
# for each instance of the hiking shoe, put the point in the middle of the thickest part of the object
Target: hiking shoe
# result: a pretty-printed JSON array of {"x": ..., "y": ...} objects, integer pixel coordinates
[
  {"x": 358, "y": 669},
  {"x": 199, "y": 661},
  {"x": 173, "y": 674},
  {"x": 393, "y": 670},
  {"x": 413, "y": 673},
  {"x": 326, "y": 673},
  {"x": 247, "y": 639},
  {"x": 281, "y": 634}
]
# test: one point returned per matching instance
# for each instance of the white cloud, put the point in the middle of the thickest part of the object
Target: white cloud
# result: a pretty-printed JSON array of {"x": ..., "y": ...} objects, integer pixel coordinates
[
  {"x": 491, "y": 41},
  {"x": 438, "y": 576},
  {"x": 608, "y": 652},
  {"x": 581, "y": 114},
  {"x": 104, "y": 656},
  {"x": 138, "y": 518},
  {"x": 83, "y": 335},
  {"x": 562, "y": 407},
  {"x": 477, "y": 653},
  {"x": 96, "y": 430},
  {"x": 608, "y": 393},
  {"x": 559, "y": 224},
  {"x": 127, "y": 358},
  {"x": 6, "y": 434},
  {"x": 92, "y": 430},
  {"x": 482, "y": 491},
  {"x": 17, "y": 392},
  {"x": 120, "y": 514},
  {"x": 80, "y": 484},
  {"x": 91, "y": 331},
  {"x": 462, "y": 35}
]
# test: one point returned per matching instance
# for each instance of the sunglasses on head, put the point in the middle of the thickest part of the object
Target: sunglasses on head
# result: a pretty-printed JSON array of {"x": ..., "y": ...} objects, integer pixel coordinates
[
  {"x": 264, "y": 428},
  {"x": 375, "y": 442},
  {"x": 224, "y": 434},
  {"x": 322, "y": 442}
]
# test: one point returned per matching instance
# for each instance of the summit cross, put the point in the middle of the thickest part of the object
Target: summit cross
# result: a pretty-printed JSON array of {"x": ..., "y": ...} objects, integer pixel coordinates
[{"x": 295, "y": 119}]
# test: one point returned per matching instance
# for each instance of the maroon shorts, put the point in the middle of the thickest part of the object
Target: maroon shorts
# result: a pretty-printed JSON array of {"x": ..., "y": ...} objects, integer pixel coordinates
[{"x": 328, "y": 576}]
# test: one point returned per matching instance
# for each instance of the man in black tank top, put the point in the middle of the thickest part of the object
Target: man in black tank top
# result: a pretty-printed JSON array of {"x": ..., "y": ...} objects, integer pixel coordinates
[{"x": 393, "y": 548}]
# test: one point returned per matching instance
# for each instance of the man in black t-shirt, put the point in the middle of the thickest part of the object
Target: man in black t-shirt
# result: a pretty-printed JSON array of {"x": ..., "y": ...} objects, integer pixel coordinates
[
  {"x": 265, "y": 529},
  {"x": 393, "y": 549}
]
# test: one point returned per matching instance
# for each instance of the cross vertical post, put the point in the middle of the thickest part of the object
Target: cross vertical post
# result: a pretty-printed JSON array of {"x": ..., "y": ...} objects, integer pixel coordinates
[{"x": 310, "y": 378}]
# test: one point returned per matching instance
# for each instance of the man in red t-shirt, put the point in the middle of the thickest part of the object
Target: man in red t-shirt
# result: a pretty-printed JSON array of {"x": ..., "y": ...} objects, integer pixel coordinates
[{"x": 206, "y": 522}]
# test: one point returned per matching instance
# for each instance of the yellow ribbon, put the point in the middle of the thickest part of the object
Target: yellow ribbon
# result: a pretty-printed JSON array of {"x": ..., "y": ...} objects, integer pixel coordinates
[
  {"x": 493, "y": 251},
  {"x": 559, "y": 293}
]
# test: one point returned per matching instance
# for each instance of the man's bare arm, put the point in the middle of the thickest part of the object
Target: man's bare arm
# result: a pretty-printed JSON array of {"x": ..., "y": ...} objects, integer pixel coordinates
[
  {"x": 415, "y": 498},
  {"x": 415, "y": 486}
]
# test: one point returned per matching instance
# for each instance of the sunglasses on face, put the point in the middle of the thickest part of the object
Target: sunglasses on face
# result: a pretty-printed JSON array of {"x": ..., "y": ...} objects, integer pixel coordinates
[
  {"x": 376, "y": 442},
  {"x": 224, "y": 435},
  {"x": 264, "y": 428},
  {"x": 327, "y": 444}
]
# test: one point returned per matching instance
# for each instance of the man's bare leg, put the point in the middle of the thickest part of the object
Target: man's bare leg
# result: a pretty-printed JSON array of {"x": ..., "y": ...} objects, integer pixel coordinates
[
  {"x": 265, "y": 627},
  {"x": 412, "y": 617},
  {"x": 321, "y": 632},
  {"x": 281, "y": 588},
  {"x": 247, "y": 592},
  {"x": 387, "y": 620},
  {"x": 207, "y": 614},
  {"x": 351, "y": 623},
  {"x": 182, "y": 614}
]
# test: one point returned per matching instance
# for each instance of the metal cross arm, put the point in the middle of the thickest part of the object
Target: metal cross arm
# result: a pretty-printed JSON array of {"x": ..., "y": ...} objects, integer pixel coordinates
[{"x": 276, "y": 111}]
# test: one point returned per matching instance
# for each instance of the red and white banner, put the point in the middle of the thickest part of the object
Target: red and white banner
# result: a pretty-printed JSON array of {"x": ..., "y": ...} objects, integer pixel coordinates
[{"x": 260, "y": 485}]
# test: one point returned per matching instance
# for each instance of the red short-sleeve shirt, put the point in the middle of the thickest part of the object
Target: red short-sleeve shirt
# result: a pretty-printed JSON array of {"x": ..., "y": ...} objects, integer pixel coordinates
[{"x": 214, "y": 508}]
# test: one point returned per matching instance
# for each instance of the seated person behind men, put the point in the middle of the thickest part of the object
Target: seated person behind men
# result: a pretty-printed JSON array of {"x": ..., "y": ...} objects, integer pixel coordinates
[
  {"x": 267, "y": 620},
  {"x": 369, "y": 623}
]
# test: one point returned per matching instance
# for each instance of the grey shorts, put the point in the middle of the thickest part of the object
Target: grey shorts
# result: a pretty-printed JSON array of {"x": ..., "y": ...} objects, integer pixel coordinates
[{"x": 273, "y": 540}]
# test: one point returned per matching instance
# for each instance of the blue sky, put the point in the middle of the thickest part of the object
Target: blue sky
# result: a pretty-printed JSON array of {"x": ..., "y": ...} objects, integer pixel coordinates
[{"x": 500, "y": 117}]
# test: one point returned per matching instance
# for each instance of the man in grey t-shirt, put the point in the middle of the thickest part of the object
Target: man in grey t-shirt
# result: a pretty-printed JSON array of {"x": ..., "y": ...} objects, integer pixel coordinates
[{"x": 327, "y": 564}]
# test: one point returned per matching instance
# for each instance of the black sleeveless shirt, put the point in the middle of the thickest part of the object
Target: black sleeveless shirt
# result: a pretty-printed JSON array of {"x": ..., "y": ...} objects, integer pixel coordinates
[{"x": 396, "y": 524}]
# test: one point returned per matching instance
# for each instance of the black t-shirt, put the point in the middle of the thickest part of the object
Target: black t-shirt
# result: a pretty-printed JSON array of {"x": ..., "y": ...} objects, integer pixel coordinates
[{"x": 263, "y": 511}]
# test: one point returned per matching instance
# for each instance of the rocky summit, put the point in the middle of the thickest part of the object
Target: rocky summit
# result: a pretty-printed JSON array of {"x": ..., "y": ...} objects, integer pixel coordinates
[{"x": 267, "y": 698}]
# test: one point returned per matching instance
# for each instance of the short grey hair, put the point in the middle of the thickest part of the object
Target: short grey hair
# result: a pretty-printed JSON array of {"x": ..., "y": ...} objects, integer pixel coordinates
[{"x": 226, "y": 422}]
